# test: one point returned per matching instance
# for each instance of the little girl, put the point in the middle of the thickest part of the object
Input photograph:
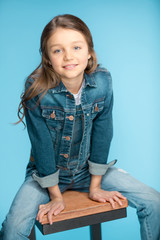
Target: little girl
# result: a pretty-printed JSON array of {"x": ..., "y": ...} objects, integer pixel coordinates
[{"x": 67, "y": 105}]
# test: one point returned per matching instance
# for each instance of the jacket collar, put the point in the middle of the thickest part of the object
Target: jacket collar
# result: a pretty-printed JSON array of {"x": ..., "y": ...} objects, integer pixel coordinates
[
  {"x": 89, "y": 81},
  {"x": 59, "y": 88}
]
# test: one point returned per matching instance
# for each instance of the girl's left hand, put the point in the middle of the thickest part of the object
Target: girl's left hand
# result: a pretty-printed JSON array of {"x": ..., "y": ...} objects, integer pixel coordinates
[
  {"x": 100, "y": 195},
  {"x": 51, "y": 208}
]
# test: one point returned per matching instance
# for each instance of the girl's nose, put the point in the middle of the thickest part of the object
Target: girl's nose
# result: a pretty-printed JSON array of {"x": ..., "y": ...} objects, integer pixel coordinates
[{"x": 68, "y": 55}]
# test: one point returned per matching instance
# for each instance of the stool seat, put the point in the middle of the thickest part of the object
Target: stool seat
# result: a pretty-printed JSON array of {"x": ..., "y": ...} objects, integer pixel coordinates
[
  {"x": 81, "y": 211},
  {"x": 78, "y": 204}
]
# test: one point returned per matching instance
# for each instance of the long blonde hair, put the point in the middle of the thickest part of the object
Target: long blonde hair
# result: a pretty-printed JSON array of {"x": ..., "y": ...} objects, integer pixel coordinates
[{"x": 44, "y": 75}]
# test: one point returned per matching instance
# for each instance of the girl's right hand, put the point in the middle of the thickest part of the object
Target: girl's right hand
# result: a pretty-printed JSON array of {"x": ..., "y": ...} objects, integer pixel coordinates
[{"x": 53, "y": 207}]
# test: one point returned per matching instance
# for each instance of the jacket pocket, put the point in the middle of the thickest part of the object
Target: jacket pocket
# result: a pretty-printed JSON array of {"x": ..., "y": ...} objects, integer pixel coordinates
[
  {"x": 54, "y": 118},
  {"x": 97, "y": 107},
  {"x": 55, "y": 121}
]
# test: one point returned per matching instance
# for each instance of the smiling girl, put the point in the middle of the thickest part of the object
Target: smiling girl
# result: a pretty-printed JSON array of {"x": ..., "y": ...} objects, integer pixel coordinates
[{"x": 67, "y": 105}]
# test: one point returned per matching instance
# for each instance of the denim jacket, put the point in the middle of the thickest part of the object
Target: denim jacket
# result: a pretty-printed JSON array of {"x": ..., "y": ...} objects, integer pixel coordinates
[{"x": 50, "y": 127}]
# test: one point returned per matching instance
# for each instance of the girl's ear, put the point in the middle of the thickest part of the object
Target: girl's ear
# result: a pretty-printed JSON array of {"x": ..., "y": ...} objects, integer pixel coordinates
[{"x": 89, "y": 56}]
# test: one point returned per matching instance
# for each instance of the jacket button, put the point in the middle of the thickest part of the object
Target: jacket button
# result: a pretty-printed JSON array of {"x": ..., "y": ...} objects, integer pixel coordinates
[
  {"x": 66, "y": 155},
  {"x": 53, "y": 115},
  {"x": 96, "y": 108},
  {"x": 70, "y": 96},
  {"x": 31, "y": 159},
  {"x": 71, "y": 118},
  {"x": 67, "y": 138}
]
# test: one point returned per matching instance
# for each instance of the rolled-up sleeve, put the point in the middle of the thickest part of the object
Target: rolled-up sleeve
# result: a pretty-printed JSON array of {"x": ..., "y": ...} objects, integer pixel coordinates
[
  {"x": 102, "y": 133},
  {"x": 47, "y": 181},
  {"x": 99, "y": 169},
  {"x": 42, "y": 150}
]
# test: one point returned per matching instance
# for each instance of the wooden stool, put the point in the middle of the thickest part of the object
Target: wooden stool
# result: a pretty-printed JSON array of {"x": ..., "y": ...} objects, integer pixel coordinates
[{"x": 80, "y": 211}]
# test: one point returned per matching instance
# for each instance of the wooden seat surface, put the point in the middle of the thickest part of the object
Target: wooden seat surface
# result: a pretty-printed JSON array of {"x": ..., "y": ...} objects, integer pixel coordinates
[{"x": 78, "y": 204}]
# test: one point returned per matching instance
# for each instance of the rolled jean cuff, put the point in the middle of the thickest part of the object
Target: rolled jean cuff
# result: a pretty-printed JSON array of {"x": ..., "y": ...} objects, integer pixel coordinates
[
  {"x": 99, "y": 169},
  {"x": 47, "y": 181}
]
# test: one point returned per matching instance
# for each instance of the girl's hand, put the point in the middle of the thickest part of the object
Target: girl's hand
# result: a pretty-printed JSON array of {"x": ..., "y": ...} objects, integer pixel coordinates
[
  {"x": 100, "y": 195},
  {"x": 54, "y": 207}
]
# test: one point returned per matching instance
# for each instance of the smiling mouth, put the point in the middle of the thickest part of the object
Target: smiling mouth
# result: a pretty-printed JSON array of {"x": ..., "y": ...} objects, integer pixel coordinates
[{"x": 70, "y": 66}]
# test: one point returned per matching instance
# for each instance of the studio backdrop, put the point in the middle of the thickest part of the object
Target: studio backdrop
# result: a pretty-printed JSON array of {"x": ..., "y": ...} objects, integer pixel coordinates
[{"x": 126, "y": 37}]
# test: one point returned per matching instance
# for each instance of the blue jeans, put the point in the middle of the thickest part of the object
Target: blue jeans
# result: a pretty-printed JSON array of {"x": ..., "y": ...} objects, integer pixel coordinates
[{"x": 23, "y": 211}]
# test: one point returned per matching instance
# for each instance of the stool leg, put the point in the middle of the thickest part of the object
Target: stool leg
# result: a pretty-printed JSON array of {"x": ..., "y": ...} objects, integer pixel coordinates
[
  {"x": 32, "y": 235},
  {"x": 95, "y": 232}
]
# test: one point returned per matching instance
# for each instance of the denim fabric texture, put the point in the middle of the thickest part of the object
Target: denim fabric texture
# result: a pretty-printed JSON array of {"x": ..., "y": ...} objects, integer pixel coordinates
[{"x": 57, "y": 128}]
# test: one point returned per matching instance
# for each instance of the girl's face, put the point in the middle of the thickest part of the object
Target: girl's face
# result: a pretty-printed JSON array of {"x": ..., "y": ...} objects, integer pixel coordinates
[{"x": 68, "y": 54}]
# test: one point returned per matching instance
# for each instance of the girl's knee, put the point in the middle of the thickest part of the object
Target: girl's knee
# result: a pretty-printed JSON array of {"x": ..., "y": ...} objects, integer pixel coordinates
[
  {"x": 156, "y": 205},
  {"x": 151, "y": 204}
]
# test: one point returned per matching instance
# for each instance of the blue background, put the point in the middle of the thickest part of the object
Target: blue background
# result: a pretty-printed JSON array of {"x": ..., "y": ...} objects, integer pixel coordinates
[{"x": 126, "y": 36}]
